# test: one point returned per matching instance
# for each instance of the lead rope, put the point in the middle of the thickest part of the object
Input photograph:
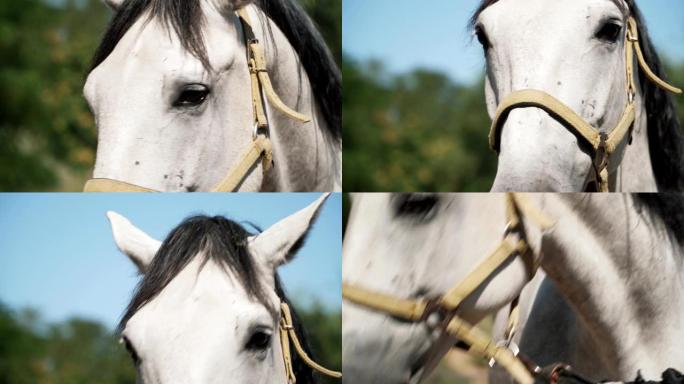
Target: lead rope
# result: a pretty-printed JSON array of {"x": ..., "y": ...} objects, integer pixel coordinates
[{"x": 287, "y": 334}]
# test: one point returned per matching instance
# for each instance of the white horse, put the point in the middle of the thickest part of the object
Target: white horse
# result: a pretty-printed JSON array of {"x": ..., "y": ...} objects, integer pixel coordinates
[
  {"x": 575, "y": 51},
  {"x": 173, "y": 101},
  {"x": 208, "y": 308},
  {"x": 612, "y": 304}
]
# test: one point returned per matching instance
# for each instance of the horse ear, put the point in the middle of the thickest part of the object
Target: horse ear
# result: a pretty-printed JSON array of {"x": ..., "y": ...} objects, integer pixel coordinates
[
  {"x": 114, "y": 4},
  {"x": 279, "y": 243},
  {"x": 136, "y": 244}
]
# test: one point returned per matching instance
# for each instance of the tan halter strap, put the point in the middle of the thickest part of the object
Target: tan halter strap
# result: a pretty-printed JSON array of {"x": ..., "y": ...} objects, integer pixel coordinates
[
  {"x": 260, "y": 77},
  {"x": 602, "y": 144},
  {"x": 518, "y": 208},
  {"x": 287, "y": 334},
  {"x": 260, "y": 148}
]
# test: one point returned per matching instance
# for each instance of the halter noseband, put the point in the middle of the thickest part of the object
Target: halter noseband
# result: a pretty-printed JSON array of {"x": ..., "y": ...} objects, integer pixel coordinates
[
  {"x": 259, "y": 149},
  {"x": 514, "y": 244},
  {"x": 602, "y": 144}
]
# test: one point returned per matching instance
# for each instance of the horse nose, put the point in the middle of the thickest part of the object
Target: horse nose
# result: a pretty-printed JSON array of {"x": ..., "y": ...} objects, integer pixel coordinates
[{"x": 538, "y": 154}]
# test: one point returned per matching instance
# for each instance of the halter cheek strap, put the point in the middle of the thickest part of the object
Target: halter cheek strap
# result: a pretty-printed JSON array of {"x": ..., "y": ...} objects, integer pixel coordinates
[
  {"x": 260, "y": 148},
  {"x": 603, "y": 144},
  {"x": 287, "y": 335},
  {"x": 447, "y": 305}
]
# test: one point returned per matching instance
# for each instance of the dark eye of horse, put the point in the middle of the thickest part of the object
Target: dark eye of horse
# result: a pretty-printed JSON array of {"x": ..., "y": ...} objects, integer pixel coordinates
[
  {"x": 609, "y": 32},
  {"x": 192, "y": 95},
  {"x": 259, "y": 341},
  {"x": 482, "y": 37},
  {"x": 420, "y": 206},
  {"x": 131, "y": 351}
]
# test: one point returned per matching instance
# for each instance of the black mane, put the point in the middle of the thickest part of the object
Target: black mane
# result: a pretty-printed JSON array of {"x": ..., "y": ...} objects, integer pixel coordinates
[
  {"x": 223, "y": 242},
  {"x": 668, "y": 207},
  {"x": 186, "y": 19},
  {"x": 665, "y": 138}
]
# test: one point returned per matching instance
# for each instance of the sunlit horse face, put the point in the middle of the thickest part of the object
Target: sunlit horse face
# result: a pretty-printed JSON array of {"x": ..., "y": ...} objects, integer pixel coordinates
[
  {"x": 203, "y": 327},
  {"x": 165, "y": 120},
  {"x": 410, "y": 246},
  {"x": 572, "y": 50}
]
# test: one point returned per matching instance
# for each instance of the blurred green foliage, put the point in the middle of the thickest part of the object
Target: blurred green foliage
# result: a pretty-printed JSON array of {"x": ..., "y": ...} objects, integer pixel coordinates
[
  {"x": 46, "y": 129},
  {"x": 47, "y": 133},
  {"x": 79, "y": 351},
  {"x": 420, "y": 131},
  {"x": 324, "y": 330}
]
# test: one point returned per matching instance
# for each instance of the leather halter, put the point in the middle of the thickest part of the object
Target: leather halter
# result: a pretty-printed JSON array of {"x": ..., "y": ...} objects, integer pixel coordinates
[
  {"x": 446, "y": 306},
  {"x": 602, "y": 144},
  {"x": 259, "y": 149},
  {"x": 287, "y": 335}
]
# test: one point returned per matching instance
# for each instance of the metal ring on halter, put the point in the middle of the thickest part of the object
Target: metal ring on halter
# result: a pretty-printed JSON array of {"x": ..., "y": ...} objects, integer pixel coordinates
[
  {"x": 508, "y": 228},
  {"x": 255, "y": 131},
  {"x": 631, "y": 95}
]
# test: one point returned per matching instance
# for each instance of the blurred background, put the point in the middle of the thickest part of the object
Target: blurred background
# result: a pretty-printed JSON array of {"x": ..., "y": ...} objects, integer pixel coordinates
[
  {"x": 47, "y": 133},
  {"x": 413, "y": 103},
  {"x": 64, "y": 284}
]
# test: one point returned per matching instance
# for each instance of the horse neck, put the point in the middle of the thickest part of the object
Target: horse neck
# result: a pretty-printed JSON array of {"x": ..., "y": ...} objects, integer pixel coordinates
[
  {"x": 620, "y": 274},
  {"x": 306, "y": 157},
  {"x": 635, "y": 173}
]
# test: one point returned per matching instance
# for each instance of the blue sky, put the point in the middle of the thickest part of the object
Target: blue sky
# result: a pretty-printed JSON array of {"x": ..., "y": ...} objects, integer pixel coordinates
[
  {"x": 405, "y": 34},
  {"x": 57, "y": 253}
]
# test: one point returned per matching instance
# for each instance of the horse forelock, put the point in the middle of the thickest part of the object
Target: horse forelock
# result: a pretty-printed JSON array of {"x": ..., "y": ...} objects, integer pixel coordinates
[
  {"x": 666, "y": 140},
  {"x": 217, "y": 239}
]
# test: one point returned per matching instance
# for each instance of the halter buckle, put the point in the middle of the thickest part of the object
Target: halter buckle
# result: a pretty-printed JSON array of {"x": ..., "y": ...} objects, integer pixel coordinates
[
  {"x": 630, "y": 38},
  {"x": 255, "y": 131}
]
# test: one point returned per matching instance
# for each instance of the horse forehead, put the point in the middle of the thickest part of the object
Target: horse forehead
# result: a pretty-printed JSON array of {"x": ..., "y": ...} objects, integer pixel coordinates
[
  {"x": 153, "y": 49},
  {"x": 527, "y": 15},
  {"x": 207, "y": 291}
]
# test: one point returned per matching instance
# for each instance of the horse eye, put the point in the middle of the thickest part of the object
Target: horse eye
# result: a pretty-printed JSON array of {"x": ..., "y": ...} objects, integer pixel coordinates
[
  {"x": 259, "y": 341},
  {"x": 609, "y": 32},
  {"x": 131, "y": 351},
  {"x": 482, "y": 37},
  {"x": 192, "y": 95},
  {"x": 420, "y": 206}
]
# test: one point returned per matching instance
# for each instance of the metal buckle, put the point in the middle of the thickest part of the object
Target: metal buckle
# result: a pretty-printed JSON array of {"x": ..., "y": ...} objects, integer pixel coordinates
[
  {"x": 631, "y": 38},
  {"x": 255, "y": 131}
]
